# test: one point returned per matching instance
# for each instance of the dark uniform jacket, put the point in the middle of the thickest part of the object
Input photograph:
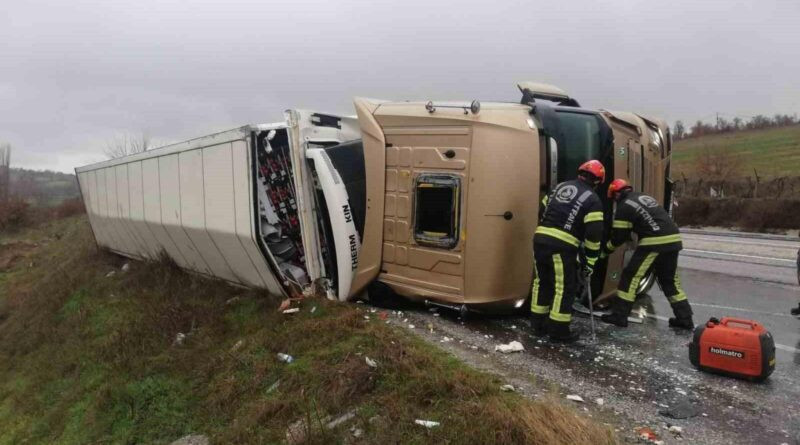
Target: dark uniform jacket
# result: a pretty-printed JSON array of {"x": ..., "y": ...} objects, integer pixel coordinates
[
  {"x": 643, "y": 215},
  {"x": 572, "y": 213}
]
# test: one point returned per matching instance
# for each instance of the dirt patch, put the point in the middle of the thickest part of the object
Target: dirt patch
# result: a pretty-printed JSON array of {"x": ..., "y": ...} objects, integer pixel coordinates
[
  {"x": 755, "y": 215},
  {"x": 11, "y": 253}
]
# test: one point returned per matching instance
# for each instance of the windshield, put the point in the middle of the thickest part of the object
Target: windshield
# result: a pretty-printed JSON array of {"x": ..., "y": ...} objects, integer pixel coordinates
[{"x": 580, "y": 141}]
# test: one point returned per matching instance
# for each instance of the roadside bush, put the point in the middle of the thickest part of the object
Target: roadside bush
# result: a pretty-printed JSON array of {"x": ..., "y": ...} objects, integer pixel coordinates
[
  {"x": 756, "y": 215},
  {"x": 14, "y": 213},
  {"x": 69, "y": 207}
]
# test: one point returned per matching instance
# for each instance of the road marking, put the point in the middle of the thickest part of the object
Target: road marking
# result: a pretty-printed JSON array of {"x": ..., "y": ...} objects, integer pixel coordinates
[
  {"x": 792, "y": 245},
  {"x": 730, "y": 308},
  {"x": 788, "y": 244},
  {"x": 777, "y": 345},
  {"x": 740, "y": 255},
  {"x": 787, "y": 348}
]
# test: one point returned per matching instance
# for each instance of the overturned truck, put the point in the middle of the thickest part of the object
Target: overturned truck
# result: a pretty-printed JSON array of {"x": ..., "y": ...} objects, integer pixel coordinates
[{"x": 436, "y": 202}]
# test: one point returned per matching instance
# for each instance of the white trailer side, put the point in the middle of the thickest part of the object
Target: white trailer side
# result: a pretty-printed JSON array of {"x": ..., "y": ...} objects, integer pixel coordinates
[{"x": 193, "y": 201}]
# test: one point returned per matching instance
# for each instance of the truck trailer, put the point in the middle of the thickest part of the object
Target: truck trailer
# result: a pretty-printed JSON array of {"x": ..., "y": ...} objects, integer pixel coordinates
[{"x": 428, "y": 201}]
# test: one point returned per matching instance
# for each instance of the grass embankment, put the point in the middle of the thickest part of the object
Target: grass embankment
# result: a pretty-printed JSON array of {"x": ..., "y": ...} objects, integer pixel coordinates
[
  {"x": 773, "y": 152},
  {"x": 86, "y": 358}
]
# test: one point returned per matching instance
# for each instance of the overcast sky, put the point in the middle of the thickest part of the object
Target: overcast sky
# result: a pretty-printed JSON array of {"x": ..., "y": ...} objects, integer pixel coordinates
[{"x": 74, "y": 73}]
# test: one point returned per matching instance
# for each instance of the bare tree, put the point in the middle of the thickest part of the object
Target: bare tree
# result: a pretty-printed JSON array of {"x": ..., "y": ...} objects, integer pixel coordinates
[
  {"x": 679, "y": 130},
  {"x": 126, "y": 144}
]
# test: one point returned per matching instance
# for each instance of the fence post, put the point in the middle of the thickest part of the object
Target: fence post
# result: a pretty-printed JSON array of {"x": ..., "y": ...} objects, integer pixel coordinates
[{"x": 755, "y": 191}]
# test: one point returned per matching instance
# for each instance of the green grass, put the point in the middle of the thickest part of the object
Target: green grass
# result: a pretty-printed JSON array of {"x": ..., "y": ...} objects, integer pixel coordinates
[
  {"x": 772, "y": 152},
  {"x": 90, "y": 359}
]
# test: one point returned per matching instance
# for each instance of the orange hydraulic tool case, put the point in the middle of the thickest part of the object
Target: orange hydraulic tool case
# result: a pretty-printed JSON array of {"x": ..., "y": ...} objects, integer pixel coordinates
[{"x": 734, "y": 347}]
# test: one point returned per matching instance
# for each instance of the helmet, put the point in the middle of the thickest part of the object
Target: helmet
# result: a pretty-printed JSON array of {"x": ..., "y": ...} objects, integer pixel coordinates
[
  {"x": 617, "y": 186},
  {"x": 594, "y": 168}
]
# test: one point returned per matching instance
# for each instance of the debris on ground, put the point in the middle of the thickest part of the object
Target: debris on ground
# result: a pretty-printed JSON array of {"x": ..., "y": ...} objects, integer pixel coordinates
[
  {"x": 126, "y": 267},
  {"x": 599, "y": 402},
  {"x": 179, "y": 338},
  {"x": 675, "y": 430},
  {"x": 575, "y": 398},
  {"x": 340, "y": 420},
  {"x": 111, "y": 274},
  {"x": 357, "y": 432},
  {"x": 274, "y": 386},
  {"x": 680, "y": 409},
  {"x": 446, "y": 340},
  {"x": 237, "y": 345},
  {"x": 313, "y": 309},
  {"x": 383, "y": 315},
  {"x": 647, "y": 434},
  {"x": 286, "y": 358},
  {"x": 411, "y": 326},
  {"x": 192, "y": 439},
  {"x": 232, "y": 300},
  {"x": 297, "y": 432},
  {"x": 514, "y": 346},
  {"x": 507, "y": 388},
  {"x": 293, "y": 310},
  {"x": 427, "y": 423},
  {"x": 371, "y": 363},
  {"x": 285, "y": 304}
]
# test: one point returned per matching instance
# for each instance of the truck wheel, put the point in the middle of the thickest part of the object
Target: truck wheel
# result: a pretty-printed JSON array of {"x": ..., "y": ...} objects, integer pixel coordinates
[
  {"x": 381, "y": 295},
  {"x": 645, "y": 285}
]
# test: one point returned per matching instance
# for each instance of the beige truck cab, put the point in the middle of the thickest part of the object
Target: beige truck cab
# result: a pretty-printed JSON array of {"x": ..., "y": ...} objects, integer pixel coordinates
[{"x": 453, "y": 191}]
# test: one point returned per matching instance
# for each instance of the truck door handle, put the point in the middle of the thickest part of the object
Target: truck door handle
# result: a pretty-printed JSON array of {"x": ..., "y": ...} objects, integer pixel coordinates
[{"x": 507, "y": 215}]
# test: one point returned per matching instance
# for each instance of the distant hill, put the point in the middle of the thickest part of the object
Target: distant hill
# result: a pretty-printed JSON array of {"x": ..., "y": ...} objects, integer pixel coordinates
[
  {"x": 773, "y": 152},
  {"x": 43, "y": 187}
]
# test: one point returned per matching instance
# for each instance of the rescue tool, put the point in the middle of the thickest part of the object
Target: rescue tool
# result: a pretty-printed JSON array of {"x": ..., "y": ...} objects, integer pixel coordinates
[{"x": 734, "y": 347}]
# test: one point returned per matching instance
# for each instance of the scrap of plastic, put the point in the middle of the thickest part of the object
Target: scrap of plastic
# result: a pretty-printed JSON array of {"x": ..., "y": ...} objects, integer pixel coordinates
[
  {"x": 514, "y": 346},
  {"x": 676, "y": 430},
  {"x": 426, "y": 423},
  {"x": 293, "y": 310},
  {"x": 647, "y": 434},
  {"x": 286, "y": 358},
  {"x": 575, "y": 398},
  {"x": 371, "y": 363}
]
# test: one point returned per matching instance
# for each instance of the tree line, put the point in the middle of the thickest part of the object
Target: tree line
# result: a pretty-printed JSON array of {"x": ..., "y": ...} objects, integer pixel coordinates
[{"x": 722, "y": 125}]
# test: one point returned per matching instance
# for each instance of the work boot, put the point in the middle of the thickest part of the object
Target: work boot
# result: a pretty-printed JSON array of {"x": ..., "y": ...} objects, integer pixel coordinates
[
  {"x": 560, "y": 332},
  {"x": 539, "y": 324},
  {"x": 620, "y": 310},
  {"x": 796, "y": 311},
  {"x": 683, "y": 315}
]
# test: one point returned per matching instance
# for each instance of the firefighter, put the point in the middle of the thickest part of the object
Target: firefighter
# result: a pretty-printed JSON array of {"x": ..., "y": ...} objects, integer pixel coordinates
[
  {"x": 659, "y": 245},
  {"x": 572, "y": 214}
]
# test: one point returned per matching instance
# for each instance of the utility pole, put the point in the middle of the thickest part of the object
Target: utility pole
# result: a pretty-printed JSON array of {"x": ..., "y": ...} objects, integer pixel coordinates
[{"x": 5, "y": 172}]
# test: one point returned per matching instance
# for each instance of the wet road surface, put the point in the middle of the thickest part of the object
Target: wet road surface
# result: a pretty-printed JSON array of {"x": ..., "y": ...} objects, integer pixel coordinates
[{"x": 645, "y": 369}]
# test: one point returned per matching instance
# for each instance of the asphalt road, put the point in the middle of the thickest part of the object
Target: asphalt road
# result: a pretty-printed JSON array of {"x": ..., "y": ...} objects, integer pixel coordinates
[{"x": 645, "y": 369}]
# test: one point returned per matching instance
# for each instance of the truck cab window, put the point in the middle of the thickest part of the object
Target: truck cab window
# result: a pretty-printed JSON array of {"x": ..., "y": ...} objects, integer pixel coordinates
[
  {"x": 436, "y": 217},
  {"x": 582, "y": 141}
]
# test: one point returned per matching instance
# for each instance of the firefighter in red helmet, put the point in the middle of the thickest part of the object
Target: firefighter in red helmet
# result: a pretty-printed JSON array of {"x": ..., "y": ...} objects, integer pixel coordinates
[
  {"x": 572, "y": 215},
  {"x": 657, "y": 250}
]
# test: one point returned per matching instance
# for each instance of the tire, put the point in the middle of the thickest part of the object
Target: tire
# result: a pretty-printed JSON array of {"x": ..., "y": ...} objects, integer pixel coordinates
[
  {"x": 381, "y": 295},
  {"x": 645, "y": 285}
]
